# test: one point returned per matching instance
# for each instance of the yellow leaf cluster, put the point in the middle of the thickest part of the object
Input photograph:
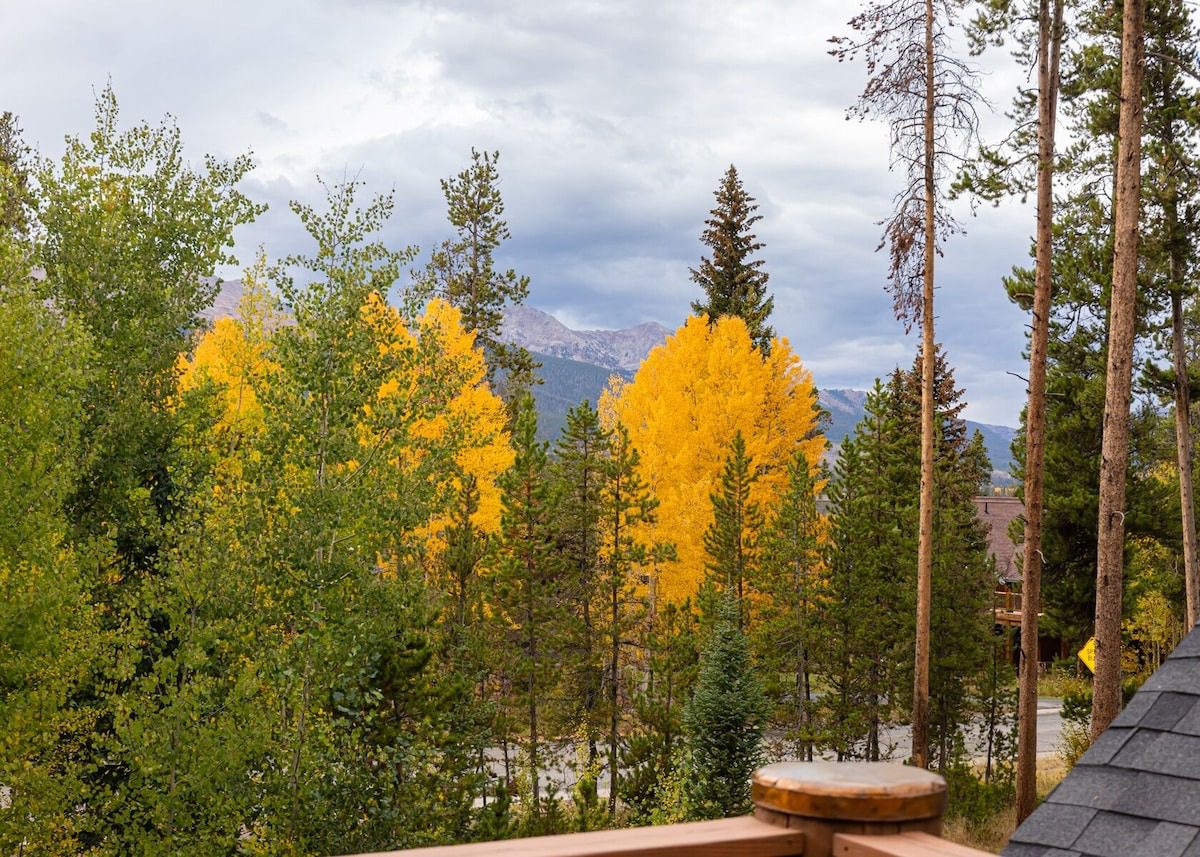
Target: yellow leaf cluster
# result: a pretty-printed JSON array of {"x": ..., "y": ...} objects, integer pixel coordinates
[
  {"x": 682, "y": 409},
  {"x": 232, "y": 356},
  {"x": 473, "y": 411},
  {"x": 470, "y": 419}
]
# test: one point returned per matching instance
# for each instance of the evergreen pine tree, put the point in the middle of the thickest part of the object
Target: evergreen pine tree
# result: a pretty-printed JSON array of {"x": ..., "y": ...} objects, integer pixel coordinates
[
  {"x": 870, "y": 589},
  {"x": 672, "y": 653},
  {"x": 462, "y": 269},
  {"x": 579, "y": 472},
  {"x": 875, "y": 498},
  {"x": 626, "y": 505},
  {"x": 733, "y": 283},
  {"x": 724, "y": 721},
  {"x": 788, "y": 580},
  {"x": 731, "y": 540},
  {"x": 526, "y": 582}
]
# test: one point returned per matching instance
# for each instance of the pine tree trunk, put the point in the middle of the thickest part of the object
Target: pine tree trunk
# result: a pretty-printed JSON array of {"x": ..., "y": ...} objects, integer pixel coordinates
[
  {"x": 1114, "y": 462},
  {"x": 1049, "y": 46},
  {"x": 1183, "y": 451},
  {"x": 920, "y": 714},
  {"x": 613, "y": 697}
]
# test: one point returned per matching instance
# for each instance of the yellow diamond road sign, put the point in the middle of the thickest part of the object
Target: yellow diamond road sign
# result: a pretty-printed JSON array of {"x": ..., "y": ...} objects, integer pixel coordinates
[{"x": 1088, "y": 654}]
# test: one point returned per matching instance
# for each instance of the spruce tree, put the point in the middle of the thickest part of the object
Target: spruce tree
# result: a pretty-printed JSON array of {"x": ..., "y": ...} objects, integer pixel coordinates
[
  {"x": 579, "y": 472},
  {"x": 671, "y": 646},
  {"x": 733, "y": 282},
  {"x": 870, "y": 586},
  {"x": 724, "y": 722},
  {"x": 526, "y": 581},
  {"x": 788, "y": 580},
  {"x": 462, "y": 269},
  {"x": 731, "y": 540},
  {"x": 875, "y": 496},
  {"x": 627, "y": 504}
]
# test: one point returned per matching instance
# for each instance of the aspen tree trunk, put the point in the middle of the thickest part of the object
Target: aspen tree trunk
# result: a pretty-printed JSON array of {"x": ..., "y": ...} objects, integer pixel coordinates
[
  {"x": 1049, "y": 46},
  {"x": 1183, "y": 452},
  {"x": 920, "y": 714},
  {"x": 1114, "y": 462}
]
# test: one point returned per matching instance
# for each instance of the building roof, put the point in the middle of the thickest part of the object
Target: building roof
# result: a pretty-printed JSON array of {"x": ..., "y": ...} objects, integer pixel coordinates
[
  {"x": 1136, "y": 791},
  {"x": 998, "y": 513}
]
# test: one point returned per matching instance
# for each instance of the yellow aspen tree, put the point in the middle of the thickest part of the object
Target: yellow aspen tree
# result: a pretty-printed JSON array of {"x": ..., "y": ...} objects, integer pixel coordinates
[
  {"x": 690, "y": 397},
  {"x": 469, "y": 422}
]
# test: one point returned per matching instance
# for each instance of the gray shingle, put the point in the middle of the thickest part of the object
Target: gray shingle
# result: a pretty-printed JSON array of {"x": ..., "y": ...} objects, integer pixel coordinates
[
  {"x": 1109, "y": 743},
  {"x": 1114, "y": 835},
  {"x": 1189, "y": 646},
  {"x": 1136, "y": 792},
  {"x": 1167, "y": 710},
  {"x": 1179, "y": 674},
  {"x": 1189, "y": 724},
  {"x": 1054, "y": 824},
  {"x": 1020, "y": 849},
  {"x": 1139, "y": 705},
  {"x": 1094, "y": 786},
  {"x": 1163, "y": 798},
  {"x": 1161, "y": 752}
]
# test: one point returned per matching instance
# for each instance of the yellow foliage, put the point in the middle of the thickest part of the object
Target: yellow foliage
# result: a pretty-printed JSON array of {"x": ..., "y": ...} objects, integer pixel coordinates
[
  {"x": 682, "y": 409},
  {"x": 233, "y": 356},
  {"x": 471, "y": 419}
]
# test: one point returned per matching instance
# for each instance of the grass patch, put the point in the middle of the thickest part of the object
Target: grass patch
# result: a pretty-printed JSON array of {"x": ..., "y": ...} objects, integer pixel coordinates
[
  {"x": 991, "y": 832},
  {"x": 1059, "y": 683}
]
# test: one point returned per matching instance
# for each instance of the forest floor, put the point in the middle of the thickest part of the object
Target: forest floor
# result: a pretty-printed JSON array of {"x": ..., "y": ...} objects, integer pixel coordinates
[{"x": 991, "y": 834}]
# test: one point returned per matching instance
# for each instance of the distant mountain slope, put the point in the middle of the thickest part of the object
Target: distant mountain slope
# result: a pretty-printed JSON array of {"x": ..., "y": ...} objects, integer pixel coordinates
[
  {"x": 846, "y": 408},
  {"x": 566, "y": 383},
  {"x": 542, "y": 333}
]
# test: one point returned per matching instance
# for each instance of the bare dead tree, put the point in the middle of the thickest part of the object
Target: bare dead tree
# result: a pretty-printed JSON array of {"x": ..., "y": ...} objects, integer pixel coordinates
[{"x": 928, "y": 97}]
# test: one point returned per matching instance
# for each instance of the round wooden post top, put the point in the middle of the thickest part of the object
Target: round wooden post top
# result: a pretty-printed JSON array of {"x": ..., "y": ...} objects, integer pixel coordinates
[{"x": 850, "y": 791}]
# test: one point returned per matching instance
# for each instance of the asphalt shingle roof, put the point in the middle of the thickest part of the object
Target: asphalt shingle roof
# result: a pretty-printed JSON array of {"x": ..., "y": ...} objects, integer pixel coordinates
[{"x": 1136, "y": 791}]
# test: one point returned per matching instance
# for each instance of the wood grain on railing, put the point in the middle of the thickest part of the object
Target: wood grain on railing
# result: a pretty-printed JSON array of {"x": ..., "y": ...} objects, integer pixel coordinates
[
  {"x": 900, "y": 845},
  {"x": 729, "y": 837}
]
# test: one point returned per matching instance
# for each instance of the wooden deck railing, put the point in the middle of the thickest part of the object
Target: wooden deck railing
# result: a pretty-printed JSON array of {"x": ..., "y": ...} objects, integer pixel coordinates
[{"x": 808, "y": 809}]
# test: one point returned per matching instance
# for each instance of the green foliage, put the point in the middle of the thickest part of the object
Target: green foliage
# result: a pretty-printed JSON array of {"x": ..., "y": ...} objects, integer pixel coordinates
[
  {"x": 786, "y": 631},
  {"x": 724, "y": 721},
  {"x": 626, "y": 504},
  {"x": 579, "y": 471},
  {"x": 132, "y": 236},
  {"x": 525, "y": 586},
  {"x": 872, "y": 572},
  {"x": 651, "y": 756},
  {"x": 733, "y": 283},
  {"x": 731, "y": 540},
  {"x": 462, "y": 269}
]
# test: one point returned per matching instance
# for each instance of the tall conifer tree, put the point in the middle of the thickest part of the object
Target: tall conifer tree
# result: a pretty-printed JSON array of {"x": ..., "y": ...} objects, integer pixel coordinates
[
  {"x": 733, "y": 282},
  {"x": 526, "y": 587},
  {"x": 789, "y": 580},
  {"x": 626, "y": 504},
  {"x": 580, "y": 472},
  {"x": 462, "y": 269},
  {"x": 731, "y": 540}
]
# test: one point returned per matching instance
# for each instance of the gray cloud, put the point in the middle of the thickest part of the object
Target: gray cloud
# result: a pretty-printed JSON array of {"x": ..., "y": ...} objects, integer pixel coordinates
[{"x": 615, "y": 120}]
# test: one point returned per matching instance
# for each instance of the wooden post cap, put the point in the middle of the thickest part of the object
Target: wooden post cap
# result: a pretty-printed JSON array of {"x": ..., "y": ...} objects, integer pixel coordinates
[{"x": 850, "y": 791}]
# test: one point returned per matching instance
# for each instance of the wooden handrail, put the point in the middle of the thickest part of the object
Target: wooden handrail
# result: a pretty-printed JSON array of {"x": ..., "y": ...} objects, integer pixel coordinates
[
  {"x": 899, "y": 845},
  {"x": 728, "y": 837}
]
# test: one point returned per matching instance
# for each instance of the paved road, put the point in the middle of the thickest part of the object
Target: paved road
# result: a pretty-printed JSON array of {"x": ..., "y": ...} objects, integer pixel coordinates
[{"x": 561, "y": 772}]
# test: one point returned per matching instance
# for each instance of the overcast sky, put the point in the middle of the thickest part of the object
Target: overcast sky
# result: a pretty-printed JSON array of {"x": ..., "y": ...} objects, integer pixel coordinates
[{"x": 615, "y": 120}]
